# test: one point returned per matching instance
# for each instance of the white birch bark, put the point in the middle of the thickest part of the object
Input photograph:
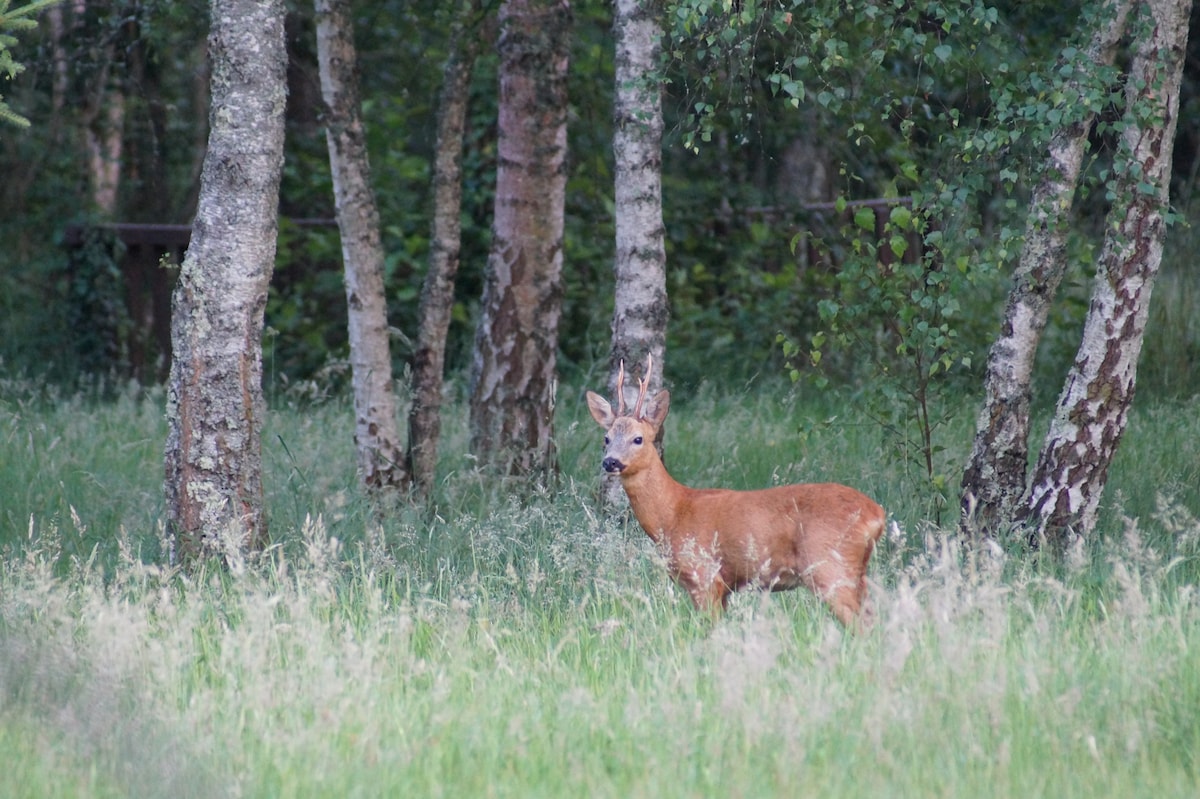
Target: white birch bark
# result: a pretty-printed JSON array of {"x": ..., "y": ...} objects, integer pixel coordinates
[
  {"x": 381, "y": 463},
  {"x": 994, "y": 479},
  {"x": 1093, "y": 408},
  {"x": 640, "y": 310},
  {"x": 639, "y": 325}
]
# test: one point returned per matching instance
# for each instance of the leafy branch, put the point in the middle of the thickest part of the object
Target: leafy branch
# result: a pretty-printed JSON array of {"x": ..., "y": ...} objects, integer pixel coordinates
[{"x": 14, "y": 21}]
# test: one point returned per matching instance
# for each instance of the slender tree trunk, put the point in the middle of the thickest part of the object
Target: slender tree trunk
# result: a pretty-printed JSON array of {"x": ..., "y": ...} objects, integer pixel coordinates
[
  {"x": 640, "y": 311},
  {"x": 61, "y": 81},
  {"x": 104, "y": 136},
  {"x": 513, "y": 374},
  {"x": 381, "y": 463},
  {"x": 1092, "y": 411},
  {"x": 994, "y": 480},
  {"x": 215, "y": 403},
  {"x": 437, "y": 293}
]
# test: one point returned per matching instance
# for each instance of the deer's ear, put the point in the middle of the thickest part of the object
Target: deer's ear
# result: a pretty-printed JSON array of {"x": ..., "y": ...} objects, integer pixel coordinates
[
  {"x": 655, "y": 412},
  {"x": 601, "y": 411}
]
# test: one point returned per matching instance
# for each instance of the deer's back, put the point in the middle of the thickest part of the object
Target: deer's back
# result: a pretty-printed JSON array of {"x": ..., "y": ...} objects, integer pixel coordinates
[{"x": 790, "y": 528}]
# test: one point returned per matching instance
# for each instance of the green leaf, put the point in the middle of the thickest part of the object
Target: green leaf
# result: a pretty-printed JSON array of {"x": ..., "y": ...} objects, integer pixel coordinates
[
  {"x": 794, "y": 242},
  {"x": 864, "y": 218},
  {"x": 901, "y": 217}
]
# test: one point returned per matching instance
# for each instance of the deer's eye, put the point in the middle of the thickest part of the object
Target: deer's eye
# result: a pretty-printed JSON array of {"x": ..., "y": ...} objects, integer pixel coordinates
[
  {"x": 638, "y": 440},
  {"x": 606, "y": 441}
]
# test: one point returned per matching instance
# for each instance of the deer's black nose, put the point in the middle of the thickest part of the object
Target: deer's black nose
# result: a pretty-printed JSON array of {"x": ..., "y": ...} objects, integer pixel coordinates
[{"x": 612, "y": 465}]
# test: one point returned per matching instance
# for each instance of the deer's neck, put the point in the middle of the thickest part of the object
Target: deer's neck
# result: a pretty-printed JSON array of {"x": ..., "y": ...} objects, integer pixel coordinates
[{"x": 655, "y": 497}]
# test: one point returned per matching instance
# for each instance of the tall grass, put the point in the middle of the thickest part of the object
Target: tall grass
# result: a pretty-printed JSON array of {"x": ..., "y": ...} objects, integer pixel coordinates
[
  {"x": 500, "y": 646},
  {"x": 1171, "y": 349}
]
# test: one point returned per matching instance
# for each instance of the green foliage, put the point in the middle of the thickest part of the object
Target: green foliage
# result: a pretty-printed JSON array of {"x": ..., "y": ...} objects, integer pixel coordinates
[
  {"x": 893, "y": 318},
  {"x": 12, "y": 21},
  {"x": 96, "y": 311},
  {"x": 941, "y": 103},
  {"x": 732, "y": 282},
  {"x": 868, "y": 70},
  {"x": 944, "y": 103},
  {"x": 153, "y": 54},
  {"x": 891, "y": 303}
]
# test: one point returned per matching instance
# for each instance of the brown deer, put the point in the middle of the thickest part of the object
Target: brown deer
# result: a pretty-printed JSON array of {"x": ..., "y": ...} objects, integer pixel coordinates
[{"x": 717, "y": 540}]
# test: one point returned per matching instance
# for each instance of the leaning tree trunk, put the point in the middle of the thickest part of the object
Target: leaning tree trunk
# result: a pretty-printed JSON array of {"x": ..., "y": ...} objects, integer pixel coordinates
[
  {"x": 640, "y": 311},
  {"x": 1092, "y": 411},
  {"x": 994, "y": 480},
  {"x": 215, "y": 403},
  {"x": 381, "y": 463},
  {"x": 513, "y": 379},
  {"x": 437, "y": 292}
]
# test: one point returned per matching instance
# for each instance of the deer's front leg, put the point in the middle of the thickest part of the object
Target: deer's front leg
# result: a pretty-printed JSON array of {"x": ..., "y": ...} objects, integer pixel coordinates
[{"x": 698, "y": 570}]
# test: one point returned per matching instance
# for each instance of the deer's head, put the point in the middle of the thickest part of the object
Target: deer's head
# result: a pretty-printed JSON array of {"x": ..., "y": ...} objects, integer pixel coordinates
[{"x": 629, "y": 437}]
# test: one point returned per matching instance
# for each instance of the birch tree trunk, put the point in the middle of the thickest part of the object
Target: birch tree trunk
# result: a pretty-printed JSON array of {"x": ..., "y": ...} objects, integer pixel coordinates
[
  {"x": 513, "y": 380},
  {"x": 381, "y": 464},
  {"x": 640, "y": 310},
  {"x": 1092, "y": 410},
  {"x": 215, "y": 404},
  {"x": 437, "y": 292},
  {"x": 994, "y": 480}
]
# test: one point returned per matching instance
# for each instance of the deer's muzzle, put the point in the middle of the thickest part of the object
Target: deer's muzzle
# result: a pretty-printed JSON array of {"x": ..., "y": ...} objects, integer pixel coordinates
[{"x": 612, "y": 465}]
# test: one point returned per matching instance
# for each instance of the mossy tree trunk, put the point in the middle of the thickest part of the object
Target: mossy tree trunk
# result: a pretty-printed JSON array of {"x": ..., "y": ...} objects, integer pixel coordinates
[{"x": 215, "y": 406}]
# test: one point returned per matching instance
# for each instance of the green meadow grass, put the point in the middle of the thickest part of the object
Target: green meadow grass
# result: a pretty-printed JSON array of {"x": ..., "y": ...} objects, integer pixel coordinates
[{"x": 506, "y": 643}]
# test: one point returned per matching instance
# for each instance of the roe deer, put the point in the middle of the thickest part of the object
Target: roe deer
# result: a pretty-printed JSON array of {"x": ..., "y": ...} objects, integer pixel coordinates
[{"x": 720, "y": 540}]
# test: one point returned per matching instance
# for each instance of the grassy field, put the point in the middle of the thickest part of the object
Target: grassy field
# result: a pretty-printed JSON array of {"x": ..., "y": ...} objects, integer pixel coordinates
[{"x": 496, "y": 646}]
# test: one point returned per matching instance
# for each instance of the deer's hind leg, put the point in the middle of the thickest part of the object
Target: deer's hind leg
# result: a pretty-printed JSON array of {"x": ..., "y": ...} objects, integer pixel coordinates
[
  {"x": 866, "y": 610},
  {"x": 843, "y": 588}
]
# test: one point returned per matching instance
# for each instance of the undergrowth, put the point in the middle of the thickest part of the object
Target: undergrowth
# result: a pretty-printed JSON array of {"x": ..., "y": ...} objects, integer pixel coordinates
[
  {"x": 531, "y": 645},
  {"x": 335, "y": 672}
]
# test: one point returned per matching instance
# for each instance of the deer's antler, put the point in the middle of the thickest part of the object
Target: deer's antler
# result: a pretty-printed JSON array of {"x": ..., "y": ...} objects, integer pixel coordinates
[
  {"x": 621, "y": 389},
  {"x": 643, "y": 384}
]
